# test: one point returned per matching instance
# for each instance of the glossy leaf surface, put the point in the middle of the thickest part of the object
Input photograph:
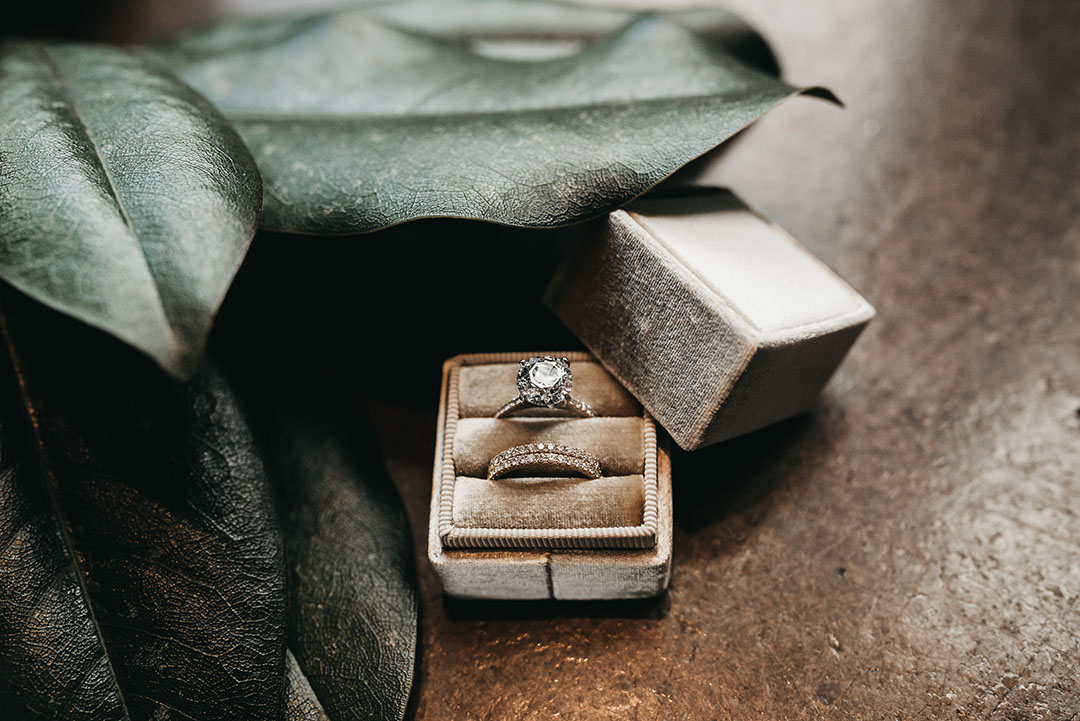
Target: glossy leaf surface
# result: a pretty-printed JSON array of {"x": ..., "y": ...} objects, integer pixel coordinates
[
  {"x": 367, "y": 118},
  {"x": 126, "y": 200},
  {"x": 352, "y": 581},
  {"x": 147, "y": 576}
]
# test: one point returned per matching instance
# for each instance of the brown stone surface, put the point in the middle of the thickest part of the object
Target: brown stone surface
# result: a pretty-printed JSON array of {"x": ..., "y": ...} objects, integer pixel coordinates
[{"x": 910, "y": 551}]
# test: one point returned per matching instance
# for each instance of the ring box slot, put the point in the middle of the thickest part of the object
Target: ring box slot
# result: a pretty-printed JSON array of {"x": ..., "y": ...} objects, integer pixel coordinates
[
  {"x": 609, "y": 501},
  {"x": 547, "y": 537},
  {"x": 617, "y": 442},
  {"x": 482, "y": 390}
]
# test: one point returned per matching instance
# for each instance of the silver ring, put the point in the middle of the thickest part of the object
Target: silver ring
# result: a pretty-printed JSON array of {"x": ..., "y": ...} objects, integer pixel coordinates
[
  {"x": 545, "y": 458},
  {"x": 545, "y": 381}
]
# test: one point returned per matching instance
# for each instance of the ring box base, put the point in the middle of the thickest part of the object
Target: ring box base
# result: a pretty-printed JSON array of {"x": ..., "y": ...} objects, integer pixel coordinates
[{"x": 521, "y": 558}]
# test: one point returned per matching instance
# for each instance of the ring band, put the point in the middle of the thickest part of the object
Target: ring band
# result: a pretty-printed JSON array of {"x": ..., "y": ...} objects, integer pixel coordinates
[
  {"x": 570, "y": 404},
  {"x": 545, "y": 458},
  {"x": 545, "y": 381}
]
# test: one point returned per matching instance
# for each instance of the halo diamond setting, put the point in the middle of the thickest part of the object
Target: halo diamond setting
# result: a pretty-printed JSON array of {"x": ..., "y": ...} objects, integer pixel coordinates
[{"x": 545, "y": 382}]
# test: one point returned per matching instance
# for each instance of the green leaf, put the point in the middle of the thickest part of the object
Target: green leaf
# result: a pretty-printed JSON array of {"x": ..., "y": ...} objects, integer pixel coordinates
[
  {"x": 352, "y": 581},
  {"x": 142, "y": 570},
  {"x": 539, "y": 29},
  {"x": 301, "y": 703},
  {"x": 126, "y": 200},
  {"x": 367, "y": 118},
  {"x": 53, "y": 662},
  {"x": 142, "y": 563},
  {"x": 353, "y": 591}
]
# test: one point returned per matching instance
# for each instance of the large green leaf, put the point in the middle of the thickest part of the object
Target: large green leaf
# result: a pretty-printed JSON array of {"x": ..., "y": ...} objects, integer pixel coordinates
[
  {"x": 142, "y": 569},
  {"x": 371, "y": 117},
  {"x": 353, "y": 597},
  {"x": 301, "y": 703},
  {"x": 53, "y": 662},
  {"x": 126, "y": 200}
]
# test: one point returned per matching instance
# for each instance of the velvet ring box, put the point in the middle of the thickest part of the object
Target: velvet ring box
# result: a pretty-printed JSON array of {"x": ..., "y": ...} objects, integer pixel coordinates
[
  {"x": 551, "y": 537},
  {"x": 700, "y": 314}
]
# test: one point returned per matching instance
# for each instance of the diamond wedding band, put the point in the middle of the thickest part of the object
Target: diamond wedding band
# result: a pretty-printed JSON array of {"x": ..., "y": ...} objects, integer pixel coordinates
[
  {"x": 545, "y": 381},
  {"x": 544, "y": 458}
]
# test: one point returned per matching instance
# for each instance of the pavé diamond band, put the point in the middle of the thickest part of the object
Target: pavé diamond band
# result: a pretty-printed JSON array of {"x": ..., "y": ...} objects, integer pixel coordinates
[
  {"x": 544, "y": 458},
  {"x": 545, "y": 381}
]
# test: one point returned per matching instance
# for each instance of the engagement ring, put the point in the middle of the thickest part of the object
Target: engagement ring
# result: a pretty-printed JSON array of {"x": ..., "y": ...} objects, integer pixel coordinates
[
  {"x": 543, "y": 458},
  {"x": 546, "y": 382}
]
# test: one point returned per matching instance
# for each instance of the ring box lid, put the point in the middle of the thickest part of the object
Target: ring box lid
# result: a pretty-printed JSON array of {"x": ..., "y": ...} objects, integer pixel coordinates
[{"x": 713, "y": 317}]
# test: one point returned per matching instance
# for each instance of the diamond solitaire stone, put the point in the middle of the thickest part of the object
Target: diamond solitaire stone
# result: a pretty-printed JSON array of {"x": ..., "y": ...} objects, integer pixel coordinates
[
  {"x": 546, "y": 374},
  {"x": 545, "y": 380}
]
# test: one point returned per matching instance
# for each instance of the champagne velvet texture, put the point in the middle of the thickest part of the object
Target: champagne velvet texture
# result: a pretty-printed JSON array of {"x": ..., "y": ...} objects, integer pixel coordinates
[
  {"x": 542, "y": 502},
  {"x": 554, "y": 537},
  {"x": 484, "y": 388},
  {"x": 713, "y": 317},
  {"x": 616, "y": 437}
]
